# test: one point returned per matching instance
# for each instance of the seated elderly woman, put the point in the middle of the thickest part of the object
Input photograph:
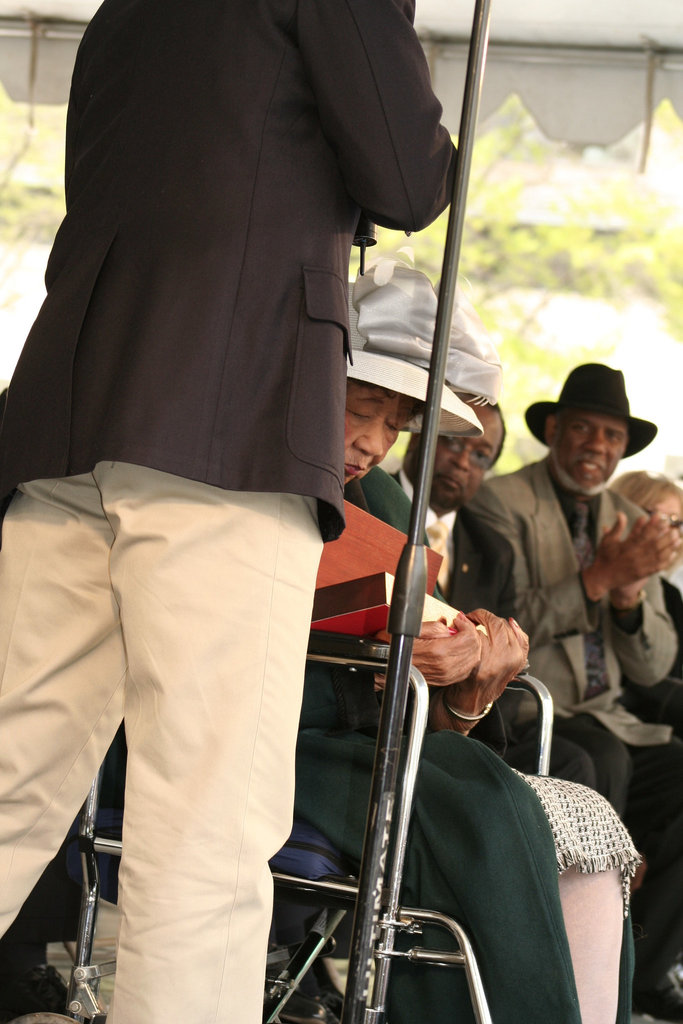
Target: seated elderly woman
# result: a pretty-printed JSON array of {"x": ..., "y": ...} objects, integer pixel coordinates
[{"x": 486, "y": 843}]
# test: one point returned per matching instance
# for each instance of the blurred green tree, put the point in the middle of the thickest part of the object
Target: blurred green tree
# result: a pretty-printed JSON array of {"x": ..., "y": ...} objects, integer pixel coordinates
[{"x": 547, "y": 220}]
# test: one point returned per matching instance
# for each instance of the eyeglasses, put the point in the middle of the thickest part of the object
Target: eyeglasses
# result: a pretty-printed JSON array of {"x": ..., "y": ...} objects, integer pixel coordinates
[
  {"x": 675, "y": 522},
  {"x": 477, "y": 459}
]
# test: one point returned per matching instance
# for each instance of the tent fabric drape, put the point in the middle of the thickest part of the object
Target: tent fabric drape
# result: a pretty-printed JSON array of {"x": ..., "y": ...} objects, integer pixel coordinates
[{"x": 587, "y": 72}]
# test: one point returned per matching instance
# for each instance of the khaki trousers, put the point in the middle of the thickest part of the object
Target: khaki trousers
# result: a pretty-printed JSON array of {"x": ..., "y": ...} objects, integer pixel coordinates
[{"x": 184, "y": 608}]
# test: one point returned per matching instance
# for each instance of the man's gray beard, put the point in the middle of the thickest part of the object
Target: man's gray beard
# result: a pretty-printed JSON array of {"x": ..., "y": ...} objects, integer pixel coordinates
[{"x": 568, "y": 483}]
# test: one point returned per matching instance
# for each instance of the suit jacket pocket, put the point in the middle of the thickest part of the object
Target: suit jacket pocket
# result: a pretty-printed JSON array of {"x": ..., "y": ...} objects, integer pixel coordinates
[{"x": 317, "y": 398}]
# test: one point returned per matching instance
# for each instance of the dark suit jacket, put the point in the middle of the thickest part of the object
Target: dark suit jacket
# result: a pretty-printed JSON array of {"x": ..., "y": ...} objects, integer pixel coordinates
[
  {"x": 482, "y": 571},
  {"x": 218, "y": 155}
]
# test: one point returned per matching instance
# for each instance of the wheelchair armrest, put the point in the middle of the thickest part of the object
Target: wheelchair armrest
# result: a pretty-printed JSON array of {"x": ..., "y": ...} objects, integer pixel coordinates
[{"x": 544, "y": 702}]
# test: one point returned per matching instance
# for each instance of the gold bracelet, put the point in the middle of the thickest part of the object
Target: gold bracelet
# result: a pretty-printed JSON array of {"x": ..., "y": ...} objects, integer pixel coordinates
[{"x": 469, "y": 718}]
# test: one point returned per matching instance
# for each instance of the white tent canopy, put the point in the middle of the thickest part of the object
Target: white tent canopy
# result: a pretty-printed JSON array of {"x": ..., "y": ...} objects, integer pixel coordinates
[{"x": 588, "y": 71}]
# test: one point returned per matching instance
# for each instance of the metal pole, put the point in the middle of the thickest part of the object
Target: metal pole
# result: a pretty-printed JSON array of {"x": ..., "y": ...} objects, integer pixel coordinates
[{"x": 409, "y": 588}]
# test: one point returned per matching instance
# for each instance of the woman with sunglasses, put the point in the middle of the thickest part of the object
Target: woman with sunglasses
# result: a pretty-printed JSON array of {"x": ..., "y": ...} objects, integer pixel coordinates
[{"x": 657, "y": 494}]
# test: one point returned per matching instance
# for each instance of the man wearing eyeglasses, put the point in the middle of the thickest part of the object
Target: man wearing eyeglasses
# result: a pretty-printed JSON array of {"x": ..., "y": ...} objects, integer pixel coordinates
[{"x": 477, "y": 567}]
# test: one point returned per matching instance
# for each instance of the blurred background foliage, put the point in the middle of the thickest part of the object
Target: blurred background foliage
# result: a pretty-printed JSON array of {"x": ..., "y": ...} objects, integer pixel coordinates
[
  {"x": 548, "y": 226},
  {"x": 548, "y": 221}
]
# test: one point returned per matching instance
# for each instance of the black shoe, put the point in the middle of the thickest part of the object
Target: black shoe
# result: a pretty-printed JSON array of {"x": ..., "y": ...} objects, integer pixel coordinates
[
  {"x": 664, "y": 1004},
  {"x": 40, "y": 988},
  {"x": 303, "y": 1009}
]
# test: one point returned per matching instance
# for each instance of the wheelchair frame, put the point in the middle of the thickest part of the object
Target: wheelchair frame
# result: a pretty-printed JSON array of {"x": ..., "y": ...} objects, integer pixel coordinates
[{"x": 335, "y": 897}]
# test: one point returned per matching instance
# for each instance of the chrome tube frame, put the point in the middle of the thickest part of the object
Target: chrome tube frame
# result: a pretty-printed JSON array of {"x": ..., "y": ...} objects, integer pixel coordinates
[
  {"x": 83, "y": 1003},
  {"x": 544, "y": 707},
  {"x": 393, "y": 917}
]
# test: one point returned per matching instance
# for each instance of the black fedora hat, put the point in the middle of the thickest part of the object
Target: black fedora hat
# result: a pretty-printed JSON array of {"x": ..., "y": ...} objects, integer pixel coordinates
[{"x": 596, "y": 388}]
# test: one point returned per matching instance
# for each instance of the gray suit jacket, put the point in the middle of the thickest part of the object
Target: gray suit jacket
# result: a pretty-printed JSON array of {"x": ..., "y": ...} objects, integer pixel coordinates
[{"x": 552, "y": 609}]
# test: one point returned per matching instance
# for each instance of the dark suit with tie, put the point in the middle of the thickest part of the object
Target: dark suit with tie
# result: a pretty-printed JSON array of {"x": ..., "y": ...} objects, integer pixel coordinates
[
  {"x": 481, "y": 573},
  {"x": 482, "y": 576}
]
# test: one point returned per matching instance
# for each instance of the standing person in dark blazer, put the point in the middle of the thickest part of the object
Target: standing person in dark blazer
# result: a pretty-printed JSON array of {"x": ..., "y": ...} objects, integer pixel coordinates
[
  {"x": 168, "y": 497},
  {"x": 479, "y": 559}
]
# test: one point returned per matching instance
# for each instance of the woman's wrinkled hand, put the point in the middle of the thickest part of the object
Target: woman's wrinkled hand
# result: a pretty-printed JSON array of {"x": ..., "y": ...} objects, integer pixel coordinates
[
  {"x": 442, "y": 655},
  {"x": 504, "y": 653}
]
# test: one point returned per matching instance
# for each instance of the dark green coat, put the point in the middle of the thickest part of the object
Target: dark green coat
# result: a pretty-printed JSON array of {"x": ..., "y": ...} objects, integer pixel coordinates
[{"x": 480, "y": 850}]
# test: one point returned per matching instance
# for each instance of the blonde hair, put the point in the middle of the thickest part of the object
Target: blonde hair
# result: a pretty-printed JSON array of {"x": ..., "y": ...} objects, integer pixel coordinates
[{"x": 647, "y": 489}]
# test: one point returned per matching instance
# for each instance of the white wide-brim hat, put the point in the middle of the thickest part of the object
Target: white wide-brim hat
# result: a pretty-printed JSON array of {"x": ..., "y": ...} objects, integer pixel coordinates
[
  {"x": 392, "y": 313},
  {"x": 407, "y": 378}
]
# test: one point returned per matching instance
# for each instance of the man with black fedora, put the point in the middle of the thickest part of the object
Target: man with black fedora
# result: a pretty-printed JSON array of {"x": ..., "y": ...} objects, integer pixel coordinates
[{"x": 586, "y": 564}]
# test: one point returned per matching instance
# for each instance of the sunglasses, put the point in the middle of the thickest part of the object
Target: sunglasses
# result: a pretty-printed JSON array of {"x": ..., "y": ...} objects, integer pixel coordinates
[{"x": 675, "y": 522}]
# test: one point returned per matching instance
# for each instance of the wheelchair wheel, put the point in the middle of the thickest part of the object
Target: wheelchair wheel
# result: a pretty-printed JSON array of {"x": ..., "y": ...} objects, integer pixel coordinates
[{"x": 42, "y": 1018}]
